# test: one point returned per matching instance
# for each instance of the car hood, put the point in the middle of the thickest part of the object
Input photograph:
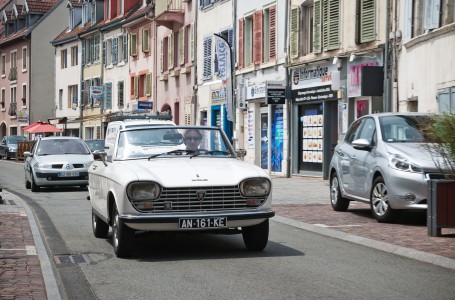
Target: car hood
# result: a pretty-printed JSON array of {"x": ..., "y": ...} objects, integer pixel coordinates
[
  {"x": 65, "y": 158},
  {"x": 198, "y": 171},
  {"x": 417, "y": 153}
]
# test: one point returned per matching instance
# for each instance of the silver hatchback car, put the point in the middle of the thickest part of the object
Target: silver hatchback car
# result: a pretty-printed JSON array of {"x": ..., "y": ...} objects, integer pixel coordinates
[
  {"x": 384, "y": 161},
  {"x": 57, "y": 161}
]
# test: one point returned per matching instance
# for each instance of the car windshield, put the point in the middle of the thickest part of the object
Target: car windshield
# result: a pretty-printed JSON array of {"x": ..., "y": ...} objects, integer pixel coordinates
[
  {"x": 95, "y": 145},
  {"x": 15, "y": 138},
  {"x": 61, "y": 146},
  {"x": 402, "y": 129},
  {"x": 172, "y": 141}
]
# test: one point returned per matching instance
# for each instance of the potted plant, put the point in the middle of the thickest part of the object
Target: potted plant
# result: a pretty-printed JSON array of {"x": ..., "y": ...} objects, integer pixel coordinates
[{"x": 439, "y": 135}]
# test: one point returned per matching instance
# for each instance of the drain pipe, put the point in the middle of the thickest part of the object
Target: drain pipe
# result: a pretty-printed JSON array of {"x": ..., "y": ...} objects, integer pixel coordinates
[
  {"x": 288, "y": 104},
  {"x": 386, "y": 99}
]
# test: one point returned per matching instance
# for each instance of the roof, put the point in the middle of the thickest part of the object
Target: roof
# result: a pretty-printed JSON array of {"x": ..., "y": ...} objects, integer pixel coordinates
[{"x": 40, "y": 6}]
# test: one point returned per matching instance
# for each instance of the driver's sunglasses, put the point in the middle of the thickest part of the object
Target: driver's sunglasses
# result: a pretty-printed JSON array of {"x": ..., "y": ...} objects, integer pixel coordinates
[{"x": 192, "y": 138}]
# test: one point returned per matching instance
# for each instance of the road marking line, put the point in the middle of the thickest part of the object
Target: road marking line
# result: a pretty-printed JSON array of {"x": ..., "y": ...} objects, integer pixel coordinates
[{"x": 31, "y": 250}]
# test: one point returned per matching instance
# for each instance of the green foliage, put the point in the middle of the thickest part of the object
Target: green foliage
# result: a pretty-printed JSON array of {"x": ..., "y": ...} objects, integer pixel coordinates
[{"x": 439, "y": 131}]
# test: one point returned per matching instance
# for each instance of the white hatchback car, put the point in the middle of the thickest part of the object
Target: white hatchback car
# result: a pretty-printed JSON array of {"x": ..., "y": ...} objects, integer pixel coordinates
[
  {"x": 181, "y": 179},
  {"x": 57, "y": 161}
]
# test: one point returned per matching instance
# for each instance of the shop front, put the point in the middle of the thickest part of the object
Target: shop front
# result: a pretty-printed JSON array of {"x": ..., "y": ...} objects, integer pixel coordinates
[
  {"x": 264, "y": 125},
  {"x": 315, "y": 119}
]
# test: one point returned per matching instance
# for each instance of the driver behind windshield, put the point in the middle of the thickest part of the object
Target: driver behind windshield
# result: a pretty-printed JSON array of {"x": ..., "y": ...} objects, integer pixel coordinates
[{"x": 192, "y": 139}]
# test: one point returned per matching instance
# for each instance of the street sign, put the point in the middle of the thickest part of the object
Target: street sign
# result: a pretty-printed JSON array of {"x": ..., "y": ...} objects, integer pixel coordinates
[
  {"x": 144, "y": 105},
  {"x": 276, "y": 92}
]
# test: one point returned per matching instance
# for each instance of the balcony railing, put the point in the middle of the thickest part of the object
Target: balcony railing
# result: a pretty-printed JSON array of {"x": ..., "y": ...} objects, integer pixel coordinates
[
  {"x": 163, "y": 6},
  {"x": 12, "y": 74}
]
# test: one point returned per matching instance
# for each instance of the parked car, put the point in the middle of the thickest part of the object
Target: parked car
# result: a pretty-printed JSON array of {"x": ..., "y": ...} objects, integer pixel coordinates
[
  {"x": 95, "y": 145},
  {"x": 179, "y": 179},
  {"x": 383, "y": 161},
  {"x": 8, "y": 146},
  {"x": 57, "y": 161}
]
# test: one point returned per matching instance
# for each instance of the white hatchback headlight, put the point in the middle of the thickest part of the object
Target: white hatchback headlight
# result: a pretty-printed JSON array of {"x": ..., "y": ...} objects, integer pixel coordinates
[
  {"x": 86, "y": 165},
  {"x": 255, "y": 187},
  {"x": 400, "y": 162},
  {"x": 142, "y": 191},
  {"x": 43, "y": 165}
]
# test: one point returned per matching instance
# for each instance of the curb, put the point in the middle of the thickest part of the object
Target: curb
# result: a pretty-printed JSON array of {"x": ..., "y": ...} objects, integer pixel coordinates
[{"x": 382, "y": 246}]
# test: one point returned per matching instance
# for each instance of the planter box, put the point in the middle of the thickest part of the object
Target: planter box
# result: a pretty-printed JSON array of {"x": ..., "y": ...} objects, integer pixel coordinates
[{"x": 441, "y": 206}]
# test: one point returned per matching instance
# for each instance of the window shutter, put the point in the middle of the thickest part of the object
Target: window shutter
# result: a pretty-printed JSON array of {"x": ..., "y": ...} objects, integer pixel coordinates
[
  {"x": 317, "y": 26},
  {"x": 294, "y": 32},
  {"x": 83, "y": 53},
  {"x": 407, "y": 34},
  {"x": 331, "y": 25},
  {"x": 181, "y": 46},
  {"x": 92, "y": 49},
  {"x": 145, "y": 40},
  {"x": 170, "y": 48},
  {"x": 162, "y": 56},
  {"x": 148, "y": 84},
  {"x": 108, "y": 95},
  {"x": 104, "y": 53},
  {"x": 432, "y": 9},
  {"x": 367, "y": 21},
  {"x": 136, "y": 86},
  {"x": 120, "y": 94},
  {"x": 257, "y": 37},
  {"x": 114, "y": 50},
  {"x": 133, "y": 44},
  {"x": 192, "y": 39},
  {"x": 241, "y": 46},
  {"x": 230, "y": 37},
  {"x": 125, "y": 47},
  {"x": 272, "y": 34},
  {"x": 207, "y": 71}
]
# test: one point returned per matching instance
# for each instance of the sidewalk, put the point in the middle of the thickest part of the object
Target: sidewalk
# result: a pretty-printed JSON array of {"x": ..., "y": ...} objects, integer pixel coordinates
[{"x": 303, "y": 202}]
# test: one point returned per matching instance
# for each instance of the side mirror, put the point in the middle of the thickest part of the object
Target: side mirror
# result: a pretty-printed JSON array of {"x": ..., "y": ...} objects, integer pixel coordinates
[
  {"x": 27, "y": 154},
  {"x": 100, "y": 156},
  {"x": 241, "y": 153},
  {"x": 361, "y": 144}
]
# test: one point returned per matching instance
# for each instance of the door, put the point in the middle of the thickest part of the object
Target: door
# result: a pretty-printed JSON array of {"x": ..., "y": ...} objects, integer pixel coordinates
[
  {"x": 311, "y": 139},
  {"x": 264, "y": 138}
]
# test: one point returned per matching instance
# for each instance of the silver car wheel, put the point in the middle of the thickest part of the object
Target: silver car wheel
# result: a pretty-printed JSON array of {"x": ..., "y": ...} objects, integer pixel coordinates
[
  {"x": 334, "y": 190},
  {"x": 380, "y": 199},
  {"x": 115, "y": 230}
]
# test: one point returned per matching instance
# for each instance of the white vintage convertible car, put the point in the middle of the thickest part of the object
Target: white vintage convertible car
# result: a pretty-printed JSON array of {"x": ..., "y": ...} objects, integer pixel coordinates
[{"x": 177, "y": 178}]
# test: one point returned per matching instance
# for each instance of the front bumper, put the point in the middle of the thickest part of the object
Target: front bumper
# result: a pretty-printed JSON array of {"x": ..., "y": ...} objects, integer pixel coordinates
[
  {"x": 167, "y": 222},
  {"x": 51, "y": 178},
  {"x": 401, "y": 185}
]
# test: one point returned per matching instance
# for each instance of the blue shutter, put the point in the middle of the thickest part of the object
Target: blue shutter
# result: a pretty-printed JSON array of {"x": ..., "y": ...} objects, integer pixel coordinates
[
  {"x": 114, "y": 50},
  {"x": 207, "y": 73},
  {"x": 104, "y": 53},
  {"x": 230, "y": 37},
  {"x": 83, "y": 53}
]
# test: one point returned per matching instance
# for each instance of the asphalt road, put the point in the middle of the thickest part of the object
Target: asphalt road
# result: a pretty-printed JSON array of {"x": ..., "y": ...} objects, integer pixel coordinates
[{"x": 295, "y": 265}]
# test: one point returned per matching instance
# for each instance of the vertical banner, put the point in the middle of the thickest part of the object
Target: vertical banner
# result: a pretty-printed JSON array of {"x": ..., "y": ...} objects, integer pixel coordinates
[{"x": 223, "y": 59}]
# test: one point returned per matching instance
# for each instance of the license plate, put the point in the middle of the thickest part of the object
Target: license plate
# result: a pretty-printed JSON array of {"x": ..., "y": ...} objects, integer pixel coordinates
[
  {"x": 197, "y": 223},
  {"x": 68, "y": 174}
]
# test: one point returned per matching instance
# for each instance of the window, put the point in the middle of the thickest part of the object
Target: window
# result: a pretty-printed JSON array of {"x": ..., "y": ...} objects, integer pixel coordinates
[
  {"x": 133, "y": 44},
  {"x": 446, "y": 98},
  {"x": 72, "y": 97},
  {"x": 164, "y": 54},
  {"x": 326, "y": 31},
  {"x": 207, "y": 70},
  {"x": 96, "y": 41},
  {"x": 120, "y": 7},
  {"x": 71, "y": 19},
  {"x": 189, "y": 43},
  {"x": 74, "y": 53},
  {"x": 206, "y": 3},
  {"x": 3, "y": 98},
  {"x": 301, "y": 30},
  {"x": 108, "y": 95},
  {"x": 114, "y": 53},
  {"x": 248, "y": 41},
  {"x": 24, "y": 94},
  {"x": 24, "y": 59},
  {"x": 124, "y": 45},
  {"x": 120, "y": 94},
  {"x": 170, "y": 48},
  {"x": 13, "y": 61},
  {"x": 181, "y": 46},
  {"x": 134, "y": 87},
  {"x": 145, "y": 40},
  {"x": 63, "y": 59},
  {"x": 366, "y": 20},
  {"x": 148, "y": 85},
  {"x": 60, "y": 99},
  {"x": 3, "y": 64}
]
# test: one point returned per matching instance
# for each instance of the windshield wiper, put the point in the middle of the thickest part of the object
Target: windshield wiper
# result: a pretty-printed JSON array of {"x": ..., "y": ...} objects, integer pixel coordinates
[
  {"x": 178, "y": 152},
  {"x": 213, "y": 152}
]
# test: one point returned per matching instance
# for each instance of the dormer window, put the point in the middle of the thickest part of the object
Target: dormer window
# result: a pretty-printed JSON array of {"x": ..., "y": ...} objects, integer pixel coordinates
[
  {"x": 14, "y": 11},
  {"x": 4, "y": 17},
  {"x": 86, "y": 12},
  {"x": 93, "y": 12},
  {"x": 25, "y": 9},
  {"x": 71, "y": 20}
]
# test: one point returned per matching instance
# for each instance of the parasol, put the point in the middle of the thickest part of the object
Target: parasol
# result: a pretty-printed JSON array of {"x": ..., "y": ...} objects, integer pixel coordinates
[{"x": 41, "y": 128}]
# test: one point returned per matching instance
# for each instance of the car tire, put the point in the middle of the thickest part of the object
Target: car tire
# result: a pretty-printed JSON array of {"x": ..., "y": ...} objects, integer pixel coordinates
[
  {"x": 100, "y": 228},
  {"x": 379, "y": 202},
  {"x": 339, "y": 203},
  {"x": 33, "y": 186},
  {"x": 28, "y": 185},
  {"x": 256, "y": 237},
  {"x": 122, "y": 236}
]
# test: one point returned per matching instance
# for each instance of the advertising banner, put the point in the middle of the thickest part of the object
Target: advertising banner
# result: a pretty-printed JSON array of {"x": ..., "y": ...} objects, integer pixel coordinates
[{"x": 223, "y": 55}]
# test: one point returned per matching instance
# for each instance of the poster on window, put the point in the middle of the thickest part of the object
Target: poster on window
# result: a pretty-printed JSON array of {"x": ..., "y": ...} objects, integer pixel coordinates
[{"x": 312, "y": 138}]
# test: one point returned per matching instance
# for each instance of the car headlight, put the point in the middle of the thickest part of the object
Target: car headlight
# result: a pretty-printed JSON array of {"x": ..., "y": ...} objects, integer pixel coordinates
[
  {"x": 43, "y": 165},
  {"x": 143, "y": 191},
  {"x": 400, "y": 162},
  {"x": 11, "y": 149},
  {"x": 255, "y": 187},
  {"x": 86, "y": 165}
]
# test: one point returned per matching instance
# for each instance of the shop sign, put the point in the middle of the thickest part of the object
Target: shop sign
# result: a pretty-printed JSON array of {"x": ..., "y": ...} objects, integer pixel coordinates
[
  {"x": 276, "y": 92},
  {"x": 313, "y": 75},
  {"x": 22, "y": 116},
  {"x": 255, "y": 91},
  {"x": 96, "y": 92},
  {"x": 354, "y": 84},
  {"x": 218, "y": 95},
  {"x": 317, "y": 93},
  {"x": 144, "y": 105}
]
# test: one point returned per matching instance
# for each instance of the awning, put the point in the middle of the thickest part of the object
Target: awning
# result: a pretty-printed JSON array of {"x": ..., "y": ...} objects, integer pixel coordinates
[{"x": 41, "y": 128}]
